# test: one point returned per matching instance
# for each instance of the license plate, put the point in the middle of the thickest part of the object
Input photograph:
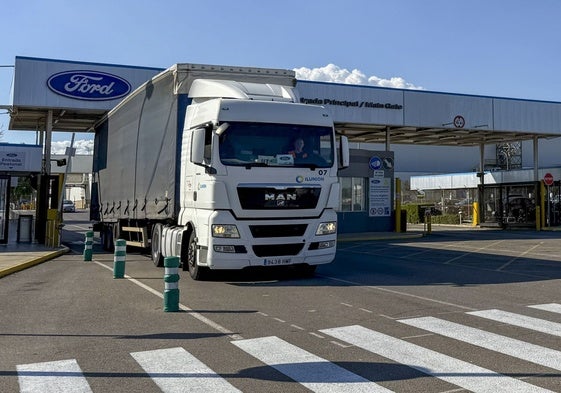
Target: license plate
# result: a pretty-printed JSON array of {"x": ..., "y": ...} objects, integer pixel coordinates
[{"x": 276, "y": 261}]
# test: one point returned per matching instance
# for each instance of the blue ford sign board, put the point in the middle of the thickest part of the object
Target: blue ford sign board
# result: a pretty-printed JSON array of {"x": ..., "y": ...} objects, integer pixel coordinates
[
  {"x": 89, "y": 85},
  {"x": 20, "y": 158},
  {"x": 48, "y": 83}
]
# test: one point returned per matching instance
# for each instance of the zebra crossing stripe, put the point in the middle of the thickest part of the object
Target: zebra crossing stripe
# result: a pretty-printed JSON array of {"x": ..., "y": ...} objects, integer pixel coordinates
[
  {"x": 495, "y": 342},
  {"x": 63, "y": 376},
  {"x": 539, "y": 325},
  {"x": 552, "y": 307},
  {"x": 176, "y": 370},
  {"x": 446, "y": 368},
  {"x": 313, "y": 372}
]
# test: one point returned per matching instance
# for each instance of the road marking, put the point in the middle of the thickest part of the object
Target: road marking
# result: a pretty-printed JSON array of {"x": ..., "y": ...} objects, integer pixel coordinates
[
  {"x": 551, "y": 307},
  {"x": 183, "y": 307},
  {"x": 175, "y": 370},
  {"x": 539, "y": 325},
  {"x": 519, "y": 256},
  {"x": 313, "y": 372},
  {"x": 63, "y": 376},
  {"x": 495, "y": 342},
  {"x": 397, "y": 292},
  {"x": 340, "y": 344},
  {"x": 473, "y": 251},
  {"x": 449, "y": 369}
]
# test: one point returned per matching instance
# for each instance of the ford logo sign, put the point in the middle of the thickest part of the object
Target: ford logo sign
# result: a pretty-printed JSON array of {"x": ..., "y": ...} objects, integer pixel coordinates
[{"x": 89, "y": 85}]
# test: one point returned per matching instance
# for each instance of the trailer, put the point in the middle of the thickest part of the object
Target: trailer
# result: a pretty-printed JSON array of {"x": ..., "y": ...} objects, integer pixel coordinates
[{"x": 200, "y": 163}]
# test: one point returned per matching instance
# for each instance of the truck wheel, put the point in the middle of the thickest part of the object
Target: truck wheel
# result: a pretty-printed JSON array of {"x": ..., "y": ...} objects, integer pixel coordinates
[
  {"x": 195, "y": 271},
  {"x": 156, "y": 246}
]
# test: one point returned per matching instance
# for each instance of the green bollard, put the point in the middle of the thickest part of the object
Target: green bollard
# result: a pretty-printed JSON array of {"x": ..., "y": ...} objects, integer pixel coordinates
[
  {"x": 119, "y": 258},
  {"x": 171, "y": 278},
  {"x": 88, "y": 246}
]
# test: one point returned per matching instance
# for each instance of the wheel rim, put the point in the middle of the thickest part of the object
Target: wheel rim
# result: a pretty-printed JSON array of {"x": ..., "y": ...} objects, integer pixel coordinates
[
  {"x": 156, "y": 243},
  {"x": 191, "y": 255}
]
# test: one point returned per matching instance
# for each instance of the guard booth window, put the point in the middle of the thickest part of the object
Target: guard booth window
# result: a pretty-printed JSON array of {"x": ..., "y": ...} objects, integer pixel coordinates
[{"x": 352, "y": 196}]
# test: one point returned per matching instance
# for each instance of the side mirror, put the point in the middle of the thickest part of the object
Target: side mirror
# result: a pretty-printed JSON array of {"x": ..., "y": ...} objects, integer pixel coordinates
[
  {"x": 344, "y": 154},
  {"x": 198, "y": 146}
]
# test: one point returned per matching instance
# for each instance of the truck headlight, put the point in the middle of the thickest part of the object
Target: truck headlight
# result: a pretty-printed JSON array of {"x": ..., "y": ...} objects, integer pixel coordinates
[
  {"x": 225, "y": 230},
  {"x": 327, "y": 228}
]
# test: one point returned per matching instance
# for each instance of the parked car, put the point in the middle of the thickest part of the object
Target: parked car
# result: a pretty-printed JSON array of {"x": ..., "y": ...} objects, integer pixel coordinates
[{"x": 68, "y": 206}]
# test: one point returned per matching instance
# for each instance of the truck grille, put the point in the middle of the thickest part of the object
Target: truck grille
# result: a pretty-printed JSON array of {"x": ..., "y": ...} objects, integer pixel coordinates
[
  {"x": 271, "y": 198},
  {"x": 259, "y": 231},
  {"x": 277, "y": 250}
]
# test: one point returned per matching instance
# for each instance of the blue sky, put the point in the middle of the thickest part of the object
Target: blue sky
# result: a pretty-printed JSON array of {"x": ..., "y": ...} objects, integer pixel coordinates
[{"x": 484, "y": 47}]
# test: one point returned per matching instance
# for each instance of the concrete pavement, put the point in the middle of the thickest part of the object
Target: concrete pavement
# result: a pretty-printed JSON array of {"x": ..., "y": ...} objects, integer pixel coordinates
[{"x": 19, "y": 256}]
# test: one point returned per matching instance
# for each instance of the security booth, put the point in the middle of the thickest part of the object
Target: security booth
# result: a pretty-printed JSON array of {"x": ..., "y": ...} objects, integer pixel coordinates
[
  {"x": 367, "y": 193},
  {"x": 15, "y": 161}
]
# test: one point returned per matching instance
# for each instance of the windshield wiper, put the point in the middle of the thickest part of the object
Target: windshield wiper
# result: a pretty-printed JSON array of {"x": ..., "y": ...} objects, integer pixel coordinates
[{"x": 250, "y": 165}]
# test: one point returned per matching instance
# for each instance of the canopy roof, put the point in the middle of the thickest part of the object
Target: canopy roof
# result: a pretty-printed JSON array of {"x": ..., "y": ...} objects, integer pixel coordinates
[{"x": 362, "y": 113}]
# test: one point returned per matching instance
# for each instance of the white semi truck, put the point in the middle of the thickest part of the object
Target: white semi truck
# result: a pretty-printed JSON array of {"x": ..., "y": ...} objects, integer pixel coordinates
[{"x": 199, "y": 163}]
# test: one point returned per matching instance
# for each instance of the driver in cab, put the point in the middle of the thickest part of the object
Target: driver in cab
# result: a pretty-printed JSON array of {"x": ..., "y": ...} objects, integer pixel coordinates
[{"x": 298, "y": 150}]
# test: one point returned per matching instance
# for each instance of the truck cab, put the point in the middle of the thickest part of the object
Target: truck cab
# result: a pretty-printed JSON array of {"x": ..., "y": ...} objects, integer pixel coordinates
[{"x": 259, "y": 202}]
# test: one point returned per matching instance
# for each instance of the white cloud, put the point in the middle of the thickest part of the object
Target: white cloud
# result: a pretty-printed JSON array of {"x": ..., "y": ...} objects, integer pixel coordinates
[
  {"x": 335, "y": 74},
  {"x": 82, "y": 147}
]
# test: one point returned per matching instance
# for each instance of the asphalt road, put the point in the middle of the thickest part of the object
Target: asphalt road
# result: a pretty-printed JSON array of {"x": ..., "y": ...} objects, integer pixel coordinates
[{"x": 459, "y": 310}]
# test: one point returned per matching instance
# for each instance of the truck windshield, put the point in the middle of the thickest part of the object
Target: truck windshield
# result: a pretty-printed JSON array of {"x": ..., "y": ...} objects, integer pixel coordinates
[{"x": 264, "y": 144}]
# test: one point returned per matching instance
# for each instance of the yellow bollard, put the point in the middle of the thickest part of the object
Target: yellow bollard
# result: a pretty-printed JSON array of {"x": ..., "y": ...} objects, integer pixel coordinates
[
  {"x": 475, "y": 215},
  {"x": 52, "y": 238}
]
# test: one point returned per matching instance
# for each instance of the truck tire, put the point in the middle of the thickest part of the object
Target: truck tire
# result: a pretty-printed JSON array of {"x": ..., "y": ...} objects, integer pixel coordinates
[
  {"x": 195, "y": 271},
  {"x": 156, "y": 246}
]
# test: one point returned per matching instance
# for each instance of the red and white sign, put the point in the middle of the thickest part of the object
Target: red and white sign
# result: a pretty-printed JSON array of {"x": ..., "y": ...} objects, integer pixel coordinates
[{"x": 548, "y": 179}]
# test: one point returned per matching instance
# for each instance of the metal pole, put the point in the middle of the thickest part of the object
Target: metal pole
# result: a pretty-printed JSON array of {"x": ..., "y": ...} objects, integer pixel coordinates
[
  {"x": 388, "y": 138},
  {"x": 536, "y": 165},
  {"x": 48, "y": 138},
  {"x": 69, "y": 156},
  {"x": 538, "y": 189}
]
